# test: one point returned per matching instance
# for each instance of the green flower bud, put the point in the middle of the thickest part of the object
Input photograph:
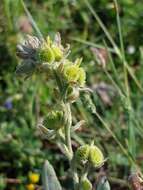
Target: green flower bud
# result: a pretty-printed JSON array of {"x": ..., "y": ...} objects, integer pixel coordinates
[
  {"x": 95, "y": 156},
  {"x": 54, "y": 120},
  {"x": 58, "y": 53},
  {"x": 71, "y": 73},
  {"x": 74, "y": 73},
  {"x": 82, "y": 154},
  {"x": 72, "y": 94},
  {"x": 86, "y": 184},
  {"x": 46, "y": 54}
]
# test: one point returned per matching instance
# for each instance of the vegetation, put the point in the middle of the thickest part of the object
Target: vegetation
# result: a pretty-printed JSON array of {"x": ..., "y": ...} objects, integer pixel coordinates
[{"x": 107, "y": 102}]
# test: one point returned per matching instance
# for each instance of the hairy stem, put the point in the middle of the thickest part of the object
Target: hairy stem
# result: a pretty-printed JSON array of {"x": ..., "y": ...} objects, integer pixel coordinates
[
  {"x": 67, "y": 128},
  {"x": 74, "y": 174},
  {"x": 68, "y": 123}
]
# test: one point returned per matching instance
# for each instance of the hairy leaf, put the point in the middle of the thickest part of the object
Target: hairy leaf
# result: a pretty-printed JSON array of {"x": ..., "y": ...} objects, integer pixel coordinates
[{"x": 49, "y": 178}]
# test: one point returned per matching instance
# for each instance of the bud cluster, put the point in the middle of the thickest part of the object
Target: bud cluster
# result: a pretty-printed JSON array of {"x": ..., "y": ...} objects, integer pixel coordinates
[
  {"x": 50, "y": 56},
  {"x": 89, "y": 154}
]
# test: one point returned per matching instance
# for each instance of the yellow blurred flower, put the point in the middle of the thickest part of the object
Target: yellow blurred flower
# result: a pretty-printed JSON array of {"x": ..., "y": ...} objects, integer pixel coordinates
[
  {"x": 34, "y": 177},
  {"x": 30, "y": 186}
]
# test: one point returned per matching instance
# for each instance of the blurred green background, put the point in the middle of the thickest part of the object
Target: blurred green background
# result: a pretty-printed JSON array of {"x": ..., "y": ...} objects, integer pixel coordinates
[{"x": 22, "y": 149}]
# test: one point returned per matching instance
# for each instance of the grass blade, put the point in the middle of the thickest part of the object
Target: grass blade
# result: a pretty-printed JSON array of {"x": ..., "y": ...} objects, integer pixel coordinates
[{"x": 33, "y": 23}]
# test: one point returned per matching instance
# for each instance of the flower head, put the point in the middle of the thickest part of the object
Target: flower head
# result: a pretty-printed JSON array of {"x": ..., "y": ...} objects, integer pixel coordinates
[
  {"x": 33, "y": 177},
  {"x": 50, "y": 51},
  {"x": 8, "y": 104},
  {"x": 30, "y": 186},
  {"x": 46, "y": 54},
  {"x": 74, "y": 73},
  {"x": 89, "y": 154},
  {"x": 95, "y": 156},
  {"x": 82, "y": 154}
]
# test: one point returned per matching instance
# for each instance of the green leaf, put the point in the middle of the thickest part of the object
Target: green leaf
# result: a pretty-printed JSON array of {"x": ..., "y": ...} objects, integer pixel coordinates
[
  {"x": 26, "y": 68},
  {"x": 103, "y": 184},
  {"x": 49, "y": 178}
]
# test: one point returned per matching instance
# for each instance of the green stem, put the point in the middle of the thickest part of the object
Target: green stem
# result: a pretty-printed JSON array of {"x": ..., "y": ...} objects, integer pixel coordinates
[
  {"x": 74, "y": 174},
  {"x": 67, "y": 127},
  {"x": 84, "y": 175},
  {"x": 68, "y": 123}
]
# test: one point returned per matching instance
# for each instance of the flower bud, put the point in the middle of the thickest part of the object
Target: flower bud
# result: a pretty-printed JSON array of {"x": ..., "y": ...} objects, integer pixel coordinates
[
  {"x": 74, "y": 73},
  {"x": 82, "y": 154},
  {"x": 72, "y": 94},
  {"x": 54, "y": 120},
  {"x": 71, "y": 73},
  {"x": 46, "y": 54},
  {"x": 58, "y": 53},
  {"x": 86, "y": 184},
  {"x": 95, "y": 156}
]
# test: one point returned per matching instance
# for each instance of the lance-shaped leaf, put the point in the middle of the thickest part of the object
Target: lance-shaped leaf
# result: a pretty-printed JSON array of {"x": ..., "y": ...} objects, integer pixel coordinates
[
  {"x": 103, "y": 184},
  {"x": 49, "y": 178},
  {"x": 27, "y": 67}
]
